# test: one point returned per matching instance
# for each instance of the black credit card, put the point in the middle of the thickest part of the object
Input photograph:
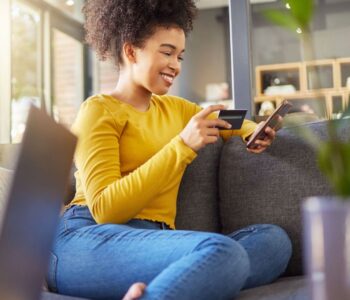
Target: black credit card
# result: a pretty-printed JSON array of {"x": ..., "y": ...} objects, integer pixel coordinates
[{"x": 233, "y": 116}]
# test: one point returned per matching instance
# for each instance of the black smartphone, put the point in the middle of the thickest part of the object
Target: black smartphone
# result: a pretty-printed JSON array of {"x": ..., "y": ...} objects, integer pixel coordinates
[
  {"x": 233, "y": 116},
  {"x": 272, "y": 121}
]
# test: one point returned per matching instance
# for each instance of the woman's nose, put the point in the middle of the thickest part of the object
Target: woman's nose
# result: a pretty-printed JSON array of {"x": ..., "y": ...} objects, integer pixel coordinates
[{"x": 175, "y": 65}]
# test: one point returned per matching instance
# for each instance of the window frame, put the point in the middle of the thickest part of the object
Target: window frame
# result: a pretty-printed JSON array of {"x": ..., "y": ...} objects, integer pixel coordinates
[{"x": 241, "y": 54}]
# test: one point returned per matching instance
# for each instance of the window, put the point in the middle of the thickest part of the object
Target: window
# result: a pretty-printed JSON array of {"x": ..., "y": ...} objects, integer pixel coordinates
[
  {"x": 42, "y": 59},
  {"x": 26, "y": 65},
  {"x": 107, "y": 76},
  {"x": 314, "y": 85},
  {"x": 69, "y": 7},
  {"x": 68, "y": 68}
]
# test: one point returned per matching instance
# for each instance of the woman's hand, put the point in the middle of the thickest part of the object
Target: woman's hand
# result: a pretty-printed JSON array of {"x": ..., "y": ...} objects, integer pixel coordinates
[
  {"x": 270, "y": 136},
  {"x": 199, "y": 131}
]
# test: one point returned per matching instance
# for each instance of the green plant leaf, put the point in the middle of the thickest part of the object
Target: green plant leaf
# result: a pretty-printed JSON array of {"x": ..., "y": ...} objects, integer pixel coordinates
[
  {"x": 280, "y": 18},
  {"x": 302, "y": 11},
  {"x": 334, "y": 162}
]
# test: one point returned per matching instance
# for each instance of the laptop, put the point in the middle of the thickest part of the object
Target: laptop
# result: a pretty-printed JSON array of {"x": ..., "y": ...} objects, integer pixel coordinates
[{"x": 34, "y": 199}]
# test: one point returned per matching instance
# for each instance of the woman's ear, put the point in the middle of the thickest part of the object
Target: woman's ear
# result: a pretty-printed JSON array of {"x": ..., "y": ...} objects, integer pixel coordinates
[{"x": 129, "y": 52}]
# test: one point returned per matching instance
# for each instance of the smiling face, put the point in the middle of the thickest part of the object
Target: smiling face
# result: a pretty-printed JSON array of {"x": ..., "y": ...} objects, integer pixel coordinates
[{"x": 158, "y": 62}]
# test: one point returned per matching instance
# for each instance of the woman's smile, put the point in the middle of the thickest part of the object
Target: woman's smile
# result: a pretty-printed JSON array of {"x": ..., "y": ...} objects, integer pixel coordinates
[{"x": 169, "y": 79}]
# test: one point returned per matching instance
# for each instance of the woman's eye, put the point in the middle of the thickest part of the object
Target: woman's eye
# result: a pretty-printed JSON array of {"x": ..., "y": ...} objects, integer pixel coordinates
[
  {"x": 167, "y": 53},
  {"x": 180, "y": 58}
]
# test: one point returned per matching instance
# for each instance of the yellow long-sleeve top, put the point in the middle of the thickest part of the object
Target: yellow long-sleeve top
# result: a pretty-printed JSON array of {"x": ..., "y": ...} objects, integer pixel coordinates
[{"x": 130, "y": 163}]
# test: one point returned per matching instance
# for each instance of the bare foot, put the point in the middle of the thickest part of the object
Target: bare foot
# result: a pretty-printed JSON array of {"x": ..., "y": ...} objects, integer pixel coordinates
[{"x": 135, "y": 291}]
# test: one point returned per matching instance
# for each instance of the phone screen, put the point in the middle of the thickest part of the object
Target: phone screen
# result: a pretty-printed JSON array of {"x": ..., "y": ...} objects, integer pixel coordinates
[{"x": 272, "y": 121}]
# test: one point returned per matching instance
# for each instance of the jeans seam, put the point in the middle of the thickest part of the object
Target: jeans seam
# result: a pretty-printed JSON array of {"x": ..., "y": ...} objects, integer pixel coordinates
[
  {"x": 250, "y": 229},
  {"x": 107, "y": 238}
]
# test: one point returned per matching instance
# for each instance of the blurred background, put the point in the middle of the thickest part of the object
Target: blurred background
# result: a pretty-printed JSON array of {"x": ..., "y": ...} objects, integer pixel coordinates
[{"x": 44, "y": 61}]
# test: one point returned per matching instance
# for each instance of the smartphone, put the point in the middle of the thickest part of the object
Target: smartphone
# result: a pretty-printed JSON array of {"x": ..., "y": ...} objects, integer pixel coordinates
[
  {"x": 272, "y": 121},
  {"x": 233, "y": 116}
]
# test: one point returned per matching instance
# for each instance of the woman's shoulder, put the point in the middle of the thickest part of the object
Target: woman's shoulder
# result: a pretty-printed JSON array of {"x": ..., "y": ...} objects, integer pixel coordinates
[
  {"x": 101, "y": 100},
  {"x": 103, "y": 104},
  {"x": 173, "y": 101},
  {"x": 100, "y": 109}
]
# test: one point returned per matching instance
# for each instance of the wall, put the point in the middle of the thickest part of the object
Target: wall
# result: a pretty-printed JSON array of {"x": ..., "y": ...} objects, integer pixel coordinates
[
  {"x": 330, "y": 27},
  {"x": 205, "y": 57}
]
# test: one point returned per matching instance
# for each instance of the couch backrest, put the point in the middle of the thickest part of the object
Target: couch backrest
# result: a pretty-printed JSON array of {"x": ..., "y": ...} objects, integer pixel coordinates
[
  {"x": 197, "y": 206},
  {"x": 269, "y": 187}
]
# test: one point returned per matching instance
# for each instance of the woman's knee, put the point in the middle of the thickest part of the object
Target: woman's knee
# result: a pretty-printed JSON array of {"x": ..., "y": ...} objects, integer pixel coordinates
[
  {"x": 280, "y": 242},
  {"x": 230, "y": 254},
  {"x": 281, "y": 238}
]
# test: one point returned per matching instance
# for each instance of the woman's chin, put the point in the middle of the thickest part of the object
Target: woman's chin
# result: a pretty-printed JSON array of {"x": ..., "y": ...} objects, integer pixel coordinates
[{"x": 161, "y": 91}]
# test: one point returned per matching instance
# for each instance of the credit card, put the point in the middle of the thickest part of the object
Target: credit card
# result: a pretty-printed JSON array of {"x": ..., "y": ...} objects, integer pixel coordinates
[{"x": 233, "y": 116}]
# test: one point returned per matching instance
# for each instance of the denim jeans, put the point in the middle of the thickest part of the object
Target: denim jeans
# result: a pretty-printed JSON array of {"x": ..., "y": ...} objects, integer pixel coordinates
[{"x": 103, "y": 261}]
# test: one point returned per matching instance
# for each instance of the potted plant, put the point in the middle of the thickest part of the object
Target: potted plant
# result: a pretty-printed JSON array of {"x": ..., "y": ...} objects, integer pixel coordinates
[{"x": 326, "y": 220}]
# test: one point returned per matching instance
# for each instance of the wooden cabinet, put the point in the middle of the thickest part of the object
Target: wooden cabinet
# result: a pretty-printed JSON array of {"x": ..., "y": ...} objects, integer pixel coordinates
[{"x": 322, "y": 84}]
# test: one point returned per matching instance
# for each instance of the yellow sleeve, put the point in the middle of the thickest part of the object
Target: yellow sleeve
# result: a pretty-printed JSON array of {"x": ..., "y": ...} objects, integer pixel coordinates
[
  {"x": 112, "y": 198},
  {"x": 248, "y": 127}
]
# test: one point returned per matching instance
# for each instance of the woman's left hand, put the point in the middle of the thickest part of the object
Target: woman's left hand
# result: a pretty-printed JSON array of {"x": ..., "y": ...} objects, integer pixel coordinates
[
  {"x": 266, "y": 142},
  {"x": 270, "y": 136}
]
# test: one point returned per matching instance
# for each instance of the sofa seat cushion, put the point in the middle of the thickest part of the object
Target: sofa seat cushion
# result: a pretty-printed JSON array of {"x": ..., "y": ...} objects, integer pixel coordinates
[{"x": 287, "y": 288}]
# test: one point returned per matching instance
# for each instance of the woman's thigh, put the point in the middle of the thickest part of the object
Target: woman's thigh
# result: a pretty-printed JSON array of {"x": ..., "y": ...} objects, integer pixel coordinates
[{"x": 102, "y": 261}]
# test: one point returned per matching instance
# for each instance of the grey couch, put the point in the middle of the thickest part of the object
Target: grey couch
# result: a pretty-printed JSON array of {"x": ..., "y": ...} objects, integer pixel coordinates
[
  {"x": 251, "y": 189},
  {"x": 226, "y": 188}
]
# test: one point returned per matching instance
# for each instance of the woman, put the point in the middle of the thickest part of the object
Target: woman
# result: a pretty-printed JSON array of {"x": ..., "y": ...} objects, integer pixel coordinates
[{"x": 134, "y": 146}]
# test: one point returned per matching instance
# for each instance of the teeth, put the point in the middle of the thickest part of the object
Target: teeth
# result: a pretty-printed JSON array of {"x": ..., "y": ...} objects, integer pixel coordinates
[{"x": 168, "y": 78}]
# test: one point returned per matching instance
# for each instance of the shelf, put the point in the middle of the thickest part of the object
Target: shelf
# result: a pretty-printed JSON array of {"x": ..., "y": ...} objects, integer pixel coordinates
[
  {"x": 289, "y": 72},
  {"x": 344, "y": 72},
  {"x": 331, "y": 101},
  {"x": 321, "y": 76},
  {"x": 323, "y": 84}
]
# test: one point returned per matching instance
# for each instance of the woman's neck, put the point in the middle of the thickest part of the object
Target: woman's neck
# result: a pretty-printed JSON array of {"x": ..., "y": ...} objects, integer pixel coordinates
[{"x": 127, "y": 91}]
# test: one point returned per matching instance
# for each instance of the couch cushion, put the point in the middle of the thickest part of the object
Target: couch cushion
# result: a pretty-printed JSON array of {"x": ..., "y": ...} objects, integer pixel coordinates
[
  {"x": 197, "y": 206},
  {"x": 268, "y": 187},
  {"x": 291, "y": 288}
]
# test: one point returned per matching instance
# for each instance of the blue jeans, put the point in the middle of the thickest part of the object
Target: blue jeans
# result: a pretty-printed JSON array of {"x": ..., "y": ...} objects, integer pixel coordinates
[{"x": 103, "y": 261}]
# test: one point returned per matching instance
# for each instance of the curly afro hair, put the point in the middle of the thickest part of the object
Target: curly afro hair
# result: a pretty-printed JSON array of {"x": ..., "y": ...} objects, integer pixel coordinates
[{"x": 111, "y": 23}]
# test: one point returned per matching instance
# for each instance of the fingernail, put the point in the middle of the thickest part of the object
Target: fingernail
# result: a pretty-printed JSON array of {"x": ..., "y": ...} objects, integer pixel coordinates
[{"x": 228, "y": 125}]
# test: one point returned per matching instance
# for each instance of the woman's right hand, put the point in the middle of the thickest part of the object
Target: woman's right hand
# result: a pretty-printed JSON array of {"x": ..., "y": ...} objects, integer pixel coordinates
[{"x": 201, "y": 131}]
